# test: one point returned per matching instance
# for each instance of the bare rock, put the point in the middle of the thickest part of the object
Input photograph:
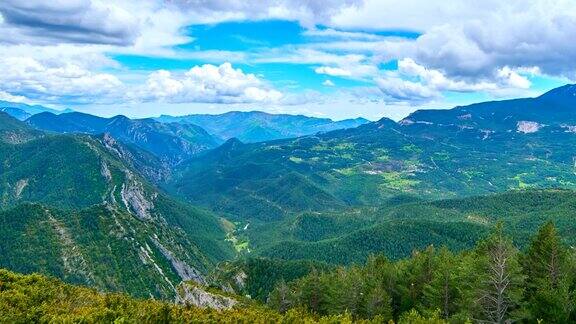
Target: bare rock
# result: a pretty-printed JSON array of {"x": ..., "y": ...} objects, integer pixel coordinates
[
  {"x": 190, "y": 294},
  {"x": 528, "y": 127}
]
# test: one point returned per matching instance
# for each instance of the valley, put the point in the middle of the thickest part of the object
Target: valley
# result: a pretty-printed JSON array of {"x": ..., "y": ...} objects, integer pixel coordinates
[{"x": 165, "y": 209}]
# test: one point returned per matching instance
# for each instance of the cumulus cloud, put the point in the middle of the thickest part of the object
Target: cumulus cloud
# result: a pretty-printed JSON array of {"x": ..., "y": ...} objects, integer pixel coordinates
[
  {"x": 516, "y": 34},
  {"x": 209, "y": 84},
  {"x": 472, "y": 39},
  {"x": 9, "y": 97},
  {"x": 57, "y": 82},
  {"x": 328, "y": 83},
  {"x": 436, "y": 80},
  {"x": 414, "y": 83},
  {"x": 25, "y": 78},
  {"x": 399, "y": 90}
]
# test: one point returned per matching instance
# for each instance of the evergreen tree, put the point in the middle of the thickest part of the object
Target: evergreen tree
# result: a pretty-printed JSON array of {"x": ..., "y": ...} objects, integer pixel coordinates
[
  {"x": 379, "y": 271},
  {"x": 312, "y": 293},
  {"x": 416, "y": 273},
  {"x": 378, "y": 303},
  {"x": 546, "y": 265},
  {"x": 442, "y": 291}
]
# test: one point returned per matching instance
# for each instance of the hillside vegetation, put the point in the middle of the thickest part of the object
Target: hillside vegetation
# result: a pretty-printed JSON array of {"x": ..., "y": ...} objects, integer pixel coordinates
[
  {"x": 492, "y": 282},
  {"x": 76, "y": 207},
  {"x": 466, "y": 151}
]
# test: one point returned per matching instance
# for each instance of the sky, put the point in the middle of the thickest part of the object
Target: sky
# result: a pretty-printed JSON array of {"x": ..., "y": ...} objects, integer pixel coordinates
[{"x": 326, "y": 58}]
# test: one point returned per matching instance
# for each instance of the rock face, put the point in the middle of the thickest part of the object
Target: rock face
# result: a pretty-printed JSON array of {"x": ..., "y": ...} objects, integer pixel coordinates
[
  {"x": 183, "y": 270},
  {"x": 19, "y": 187},
  {"x": 193, "y": 295},
  {"x": 528, "y": 127},
  {"x": 72, "y": 258}
]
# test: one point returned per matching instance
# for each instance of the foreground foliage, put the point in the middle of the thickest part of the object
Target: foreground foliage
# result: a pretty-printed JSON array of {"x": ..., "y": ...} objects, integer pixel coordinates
[
  {"x": 492, "y": 283},
  {"x": 38, "y": 299}
]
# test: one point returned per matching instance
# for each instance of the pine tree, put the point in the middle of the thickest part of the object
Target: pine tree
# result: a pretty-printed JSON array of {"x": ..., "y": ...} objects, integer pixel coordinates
[
  {"x": 312, "y": 293},
  {"x": 442, "y": 291},
  {"x": 417, "y": 272},
  {"x": 281, "y": 297},
  {"x": 500, "y": 292},
  {"x": 546, "y": 265},
  {"x": 378, "y": 302}
]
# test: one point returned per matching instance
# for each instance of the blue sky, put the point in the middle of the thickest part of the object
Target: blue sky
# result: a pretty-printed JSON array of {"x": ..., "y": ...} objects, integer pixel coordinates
[{"x": 338, "y": 59}]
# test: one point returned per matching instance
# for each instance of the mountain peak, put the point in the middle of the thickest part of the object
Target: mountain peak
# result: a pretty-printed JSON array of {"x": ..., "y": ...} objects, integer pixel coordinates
[
  {"x": 563, "y": 92},
  {"x": 232, "y": 143}
]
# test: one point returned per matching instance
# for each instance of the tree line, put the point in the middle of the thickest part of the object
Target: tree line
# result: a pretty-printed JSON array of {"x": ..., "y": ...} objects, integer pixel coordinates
[{"x": 492, "y": 283}]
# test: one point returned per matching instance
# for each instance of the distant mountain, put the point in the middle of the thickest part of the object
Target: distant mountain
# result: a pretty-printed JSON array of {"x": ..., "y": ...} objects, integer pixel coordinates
[
  {"x": 170, "y": 142},
  {"x": 553, "y": 110},
  {"x": 18, "y": 108},
  {"x": 13, "y": 131},
  {"x": 16, "y": 113},
  {"x": 76, "y": 207},
  {"x": 256, "y": 126},
  {"x": 478, "y": 149}
]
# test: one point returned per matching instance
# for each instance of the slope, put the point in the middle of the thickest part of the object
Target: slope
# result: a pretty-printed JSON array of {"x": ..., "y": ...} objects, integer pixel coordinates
[
  {"x": 474, "y": 150},
  {"x": 73, "y": 206},
  {"x": 396, "y": 231}
]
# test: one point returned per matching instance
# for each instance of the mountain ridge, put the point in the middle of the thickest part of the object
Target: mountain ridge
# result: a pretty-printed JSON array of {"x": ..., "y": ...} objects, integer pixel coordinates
[
  {"x": 258, "y": 126},
  {"x": 434, "y": 153},
  {"x": 171, "y": 142},
  {"x": 75, "y": 206}
]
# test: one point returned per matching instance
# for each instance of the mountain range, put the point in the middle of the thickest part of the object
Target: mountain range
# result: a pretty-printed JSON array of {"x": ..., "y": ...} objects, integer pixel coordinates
[
  {"x": 140, "y": 205},
  {"x": 430, "y": 154},
  {"x": 170, "y": 142},
  {"x": 257, "y": 126},
  {"x": 22, "y": 111}
]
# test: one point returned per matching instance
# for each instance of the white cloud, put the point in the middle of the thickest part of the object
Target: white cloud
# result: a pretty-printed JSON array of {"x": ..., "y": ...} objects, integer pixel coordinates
[
  {"x": 415, "y": 84},
  {"x": 308, "y": 12},
  {"x": 355, "y": 66},
  {"x": 399, "y": 90},
  {"x": 207, "y": 83},
  {"x": 476, "y": 39},
  {"x": 436, "y": 80},
  {"x": 333, "y": 71},
  {"x": 56, "y": 82},
  {"x": 8, "y": 97},
  {"x": 339, "y": 34},
  {"x": 328, "y": 83},
  {"x": 513, "y": 78}
]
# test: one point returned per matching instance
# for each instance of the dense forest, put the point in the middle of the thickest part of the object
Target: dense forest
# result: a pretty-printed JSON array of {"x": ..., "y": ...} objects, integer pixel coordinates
[{"x": 494, "y": 282}]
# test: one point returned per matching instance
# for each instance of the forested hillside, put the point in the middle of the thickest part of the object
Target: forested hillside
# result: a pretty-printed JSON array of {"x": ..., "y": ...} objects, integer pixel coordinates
[
  {"x": 492, "y": 282},
  {"x": 397, "y": 229},
  {"x": 76, "y": 207}
]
